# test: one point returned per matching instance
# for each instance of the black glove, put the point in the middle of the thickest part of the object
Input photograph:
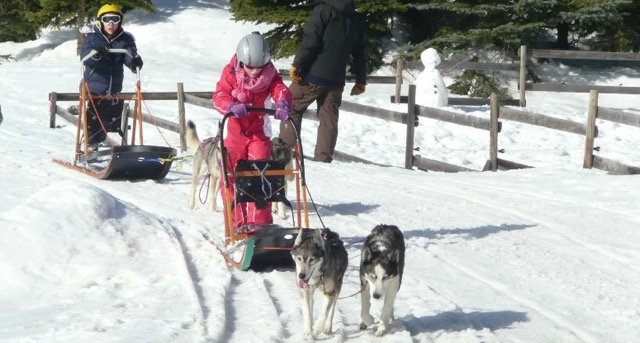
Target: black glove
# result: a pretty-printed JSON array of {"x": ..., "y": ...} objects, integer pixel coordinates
[
  {"x": 136, "y": 63},
  {"x": 101, "y": 51}
]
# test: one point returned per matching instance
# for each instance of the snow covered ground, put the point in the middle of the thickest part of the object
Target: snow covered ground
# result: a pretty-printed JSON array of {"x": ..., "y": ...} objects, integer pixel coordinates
[{"x": 537, "y": 255}]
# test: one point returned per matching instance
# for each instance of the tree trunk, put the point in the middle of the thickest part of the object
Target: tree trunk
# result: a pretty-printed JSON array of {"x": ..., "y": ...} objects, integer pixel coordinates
[
  {"x": 82, "y": 16},
  {"x": 563, "y": 36}
]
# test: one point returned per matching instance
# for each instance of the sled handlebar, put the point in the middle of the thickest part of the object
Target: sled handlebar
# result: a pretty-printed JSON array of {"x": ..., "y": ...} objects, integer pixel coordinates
[
  {"x": 271, "y": 112},
  {"x": 115, "y": 51}
]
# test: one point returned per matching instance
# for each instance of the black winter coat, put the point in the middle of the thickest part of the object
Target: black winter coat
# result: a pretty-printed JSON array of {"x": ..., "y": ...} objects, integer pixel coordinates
[
  {"x": 104, "y": 74},
  {"x": 333, "y": 33}
]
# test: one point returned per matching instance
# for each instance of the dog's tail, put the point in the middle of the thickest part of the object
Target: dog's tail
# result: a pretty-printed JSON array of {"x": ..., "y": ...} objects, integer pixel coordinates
[{"x": 192, "y": 136}]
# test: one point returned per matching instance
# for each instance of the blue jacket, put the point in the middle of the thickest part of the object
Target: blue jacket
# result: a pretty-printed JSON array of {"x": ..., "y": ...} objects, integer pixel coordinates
[{"x": 104, "y": 74}]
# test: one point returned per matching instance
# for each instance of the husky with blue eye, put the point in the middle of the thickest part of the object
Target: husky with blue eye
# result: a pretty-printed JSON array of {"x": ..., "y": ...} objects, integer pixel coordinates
[{"x": 381, "y": 266}]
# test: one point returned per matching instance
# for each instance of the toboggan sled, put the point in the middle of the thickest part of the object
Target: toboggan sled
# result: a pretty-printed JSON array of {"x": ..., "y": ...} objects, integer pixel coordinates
[{"x": 128, "y": 159}]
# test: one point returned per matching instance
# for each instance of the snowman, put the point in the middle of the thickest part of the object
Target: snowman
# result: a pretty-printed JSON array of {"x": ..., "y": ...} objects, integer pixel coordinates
[{"x": 430, "y": 88}]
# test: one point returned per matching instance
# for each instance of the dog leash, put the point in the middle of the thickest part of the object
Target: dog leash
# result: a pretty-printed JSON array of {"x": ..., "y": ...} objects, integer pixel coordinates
[
  {"x": 338, "y": 298},
  {"x": 352, "y": 295},
  {"x": 206, "y": 181}
]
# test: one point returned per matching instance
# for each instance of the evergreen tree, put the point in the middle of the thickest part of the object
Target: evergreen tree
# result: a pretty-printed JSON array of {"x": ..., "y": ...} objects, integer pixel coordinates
[
  {"x": 37, "y": 14},
  {"x": 60, "y": 13},
  {"x": 465, "y": 25},
  {"x": 578, "y": 19},
  {"x": 627, "y": 38},
  {"x": 290, "y": 17},
  {"x": 486, "y": 25},
  {"x": 13, "y": 23}
]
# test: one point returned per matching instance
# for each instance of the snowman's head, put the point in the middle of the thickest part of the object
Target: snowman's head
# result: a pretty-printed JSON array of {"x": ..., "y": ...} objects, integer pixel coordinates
[{"x": 430, "y": 58}]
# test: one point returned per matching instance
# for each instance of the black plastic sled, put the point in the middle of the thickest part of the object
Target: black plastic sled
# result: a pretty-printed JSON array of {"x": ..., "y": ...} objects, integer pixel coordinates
[
  {"x": 129, "y": 159},
  {"x": 133, "y": 162}
]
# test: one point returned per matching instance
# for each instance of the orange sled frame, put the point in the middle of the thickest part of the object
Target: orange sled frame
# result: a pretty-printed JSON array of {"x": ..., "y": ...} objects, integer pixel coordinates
[
  {"x": 130, "y": 159},
  {"x": 260, "y": 247}
]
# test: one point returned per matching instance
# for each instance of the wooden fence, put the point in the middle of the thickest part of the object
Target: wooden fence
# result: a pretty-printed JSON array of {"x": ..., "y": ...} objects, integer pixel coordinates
[
  {"x": 410, "y": 119},
  {"x": 196, "y": 98},
  {"x": 522, "y": 68},
  {"x": 494, "y": 126},
  {"x": 203, "y": 99},
  {"x": 609, "y": 114}
]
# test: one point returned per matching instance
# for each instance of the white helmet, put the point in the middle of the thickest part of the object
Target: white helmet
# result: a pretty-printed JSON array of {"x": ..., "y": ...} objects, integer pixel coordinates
[{"x": 253, "y": 50}]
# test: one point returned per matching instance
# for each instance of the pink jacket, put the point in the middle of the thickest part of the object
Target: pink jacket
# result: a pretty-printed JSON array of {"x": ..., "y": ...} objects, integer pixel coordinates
[{"x": 255, "y": 93}]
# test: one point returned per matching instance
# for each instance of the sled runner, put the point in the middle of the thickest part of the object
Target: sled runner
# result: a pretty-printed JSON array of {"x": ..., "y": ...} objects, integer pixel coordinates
[
  {"x": 261, "y": 182},
  {"x": 128, "y": 159}
]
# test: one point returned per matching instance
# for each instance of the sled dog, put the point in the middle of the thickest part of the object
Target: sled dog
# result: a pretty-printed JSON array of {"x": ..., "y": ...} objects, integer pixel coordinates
[
  {"x": 280, "y": 151},
  {"x": 381, "y": 266},
  {"x": 206, "y": 160},
  {"x": 321, "y": 261}
]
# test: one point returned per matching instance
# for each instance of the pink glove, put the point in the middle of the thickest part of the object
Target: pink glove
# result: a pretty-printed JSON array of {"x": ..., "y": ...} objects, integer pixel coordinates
[
  {"x": 283, "y": 110},
  {"x": 239, "y": 110}
]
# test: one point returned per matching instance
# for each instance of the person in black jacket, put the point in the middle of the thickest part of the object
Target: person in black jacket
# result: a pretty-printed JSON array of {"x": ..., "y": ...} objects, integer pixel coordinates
[
  {"x": 333, "y": 33},
  {"x": 104, "y": 71}
]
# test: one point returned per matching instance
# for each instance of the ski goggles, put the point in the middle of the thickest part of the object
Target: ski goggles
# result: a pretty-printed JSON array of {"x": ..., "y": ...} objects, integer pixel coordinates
[
  {"x": 242, "y": 65},
  {"x": 113, "y": 18}
]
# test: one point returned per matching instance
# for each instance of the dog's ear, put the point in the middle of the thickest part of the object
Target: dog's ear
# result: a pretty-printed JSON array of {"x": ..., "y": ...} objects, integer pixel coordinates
[
  {"x": 392, "y": 255},
  {"x": 219, "y": 133},
  {"x": 298, "y": 238},
  {"x": 317, "y": 238},
  {"x": 366, "y": 253}
]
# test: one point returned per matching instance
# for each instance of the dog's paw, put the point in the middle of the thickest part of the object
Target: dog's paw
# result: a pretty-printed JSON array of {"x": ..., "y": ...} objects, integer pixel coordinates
[
  {"x": 381, "y": 331},
  {"x": 365, "y": 321},
  {"x": 320, "y": 328},
  {"x": 278, "y": 207}
]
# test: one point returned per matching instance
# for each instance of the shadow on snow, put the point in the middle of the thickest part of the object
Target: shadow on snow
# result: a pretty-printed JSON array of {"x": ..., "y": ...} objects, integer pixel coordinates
[{"x": 460, "y": 321}]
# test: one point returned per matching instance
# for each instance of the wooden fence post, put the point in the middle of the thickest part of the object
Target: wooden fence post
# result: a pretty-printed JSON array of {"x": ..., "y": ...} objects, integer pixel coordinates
[
  {"x": 493, "y": 132},
  {"x": 181, "y": 119},
  {"x": 523, "y": 75},
  {"x": 53, "y": 105},
  {"x": 591, "y": 129},
  {"x": 411, "y": 124},
  {"x": 399, "y": 68}
]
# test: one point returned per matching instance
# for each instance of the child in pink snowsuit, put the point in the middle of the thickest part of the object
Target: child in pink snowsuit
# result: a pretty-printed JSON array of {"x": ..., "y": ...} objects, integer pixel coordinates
[{"x": 247, "y": 81}]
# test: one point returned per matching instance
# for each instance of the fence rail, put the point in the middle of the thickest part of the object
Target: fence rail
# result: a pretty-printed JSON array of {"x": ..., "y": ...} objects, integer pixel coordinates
[
  {"x": 494, "y": 125},
  {"x": 522, "y": 68},
  {"x": 585, "y": 55},
  {"x": 410, "y": 119}
]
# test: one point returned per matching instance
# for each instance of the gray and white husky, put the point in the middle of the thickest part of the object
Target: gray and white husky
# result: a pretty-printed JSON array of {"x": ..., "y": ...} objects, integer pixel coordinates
[
  {"x": 381, "y": 266},
  {"x": 206, "y": 159},
  {"x": 321, "y": 261}
]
